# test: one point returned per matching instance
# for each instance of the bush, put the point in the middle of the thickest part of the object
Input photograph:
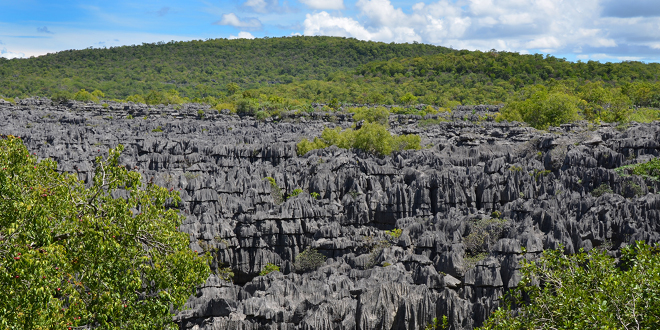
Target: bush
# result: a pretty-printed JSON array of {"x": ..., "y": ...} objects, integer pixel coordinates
[
  {"x": 650, "y": 168},
  {"x": 541, "y": 108},
  {"x": 85, "y": 96},
  {"x": 276, "y": 191},
  {"x": 372, "y": 138},
  {"x": 586, "y": 291},
  {"x": 72, "y": 254},
  {"x": 247, "y": 106},
  {"x": 308, "y": 260},
  {"x": 602, "y": 190},
  {"x": 483, "y": 234},
  {"x": 378, "y": 115},
  {"x": 61, "y": 97},
  {"x": 137, "y": 98},
  {"x": 269, "y": 268},
  {"x": 295, "y": 193}
]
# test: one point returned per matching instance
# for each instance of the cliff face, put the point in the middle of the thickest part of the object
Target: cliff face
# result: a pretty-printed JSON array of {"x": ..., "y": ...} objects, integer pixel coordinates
[{"x": 467, "y": 205}]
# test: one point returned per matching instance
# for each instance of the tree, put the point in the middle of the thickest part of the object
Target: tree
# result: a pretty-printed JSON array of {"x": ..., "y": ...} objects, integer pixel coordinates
[
  {"x": 586, "y": 291},
  {"x": 105, "y": 255},
  {"x": 541, "y": 108}
]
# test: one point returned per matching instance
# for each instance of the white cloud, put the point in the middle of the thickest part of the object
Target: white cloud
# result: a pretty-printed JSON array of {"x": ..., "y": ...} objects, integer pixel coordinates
[
  {"x": 324, "y": 24},
  {"x": 242, "y": 35},
  {"x": 257, "y": 5},
  {"x": 9, "y": 55},
  {"x": 266, "y": 6},
  {"x": 249, "y": 23},
  {"x": 324, "y": 4}
]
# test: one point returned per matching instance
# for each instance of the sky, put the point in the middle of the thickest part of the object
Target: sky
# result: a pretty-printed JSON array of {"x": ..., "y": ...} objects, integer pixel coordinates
[{"x": 601, "y": 30}]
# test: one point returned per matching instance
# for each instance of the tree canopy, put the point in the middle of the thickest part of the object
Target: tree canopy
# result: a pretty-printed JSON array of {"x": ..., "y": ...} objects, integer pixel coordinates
[{"x": 106, "y": 255}]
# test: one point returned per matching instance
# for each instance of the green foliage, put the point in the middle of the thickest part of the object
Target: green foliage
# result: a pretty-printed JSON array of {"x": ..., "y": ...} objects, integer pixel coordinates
[
  {"x": 73, "y": 256},
  {"x": 136, "y": 99},
  {"x": 85, "y": 96},
  {"x": 233, "y": 88},
  {"x": 603, "y": 189},
  {"x": 586, "y": 291},
  {"x": 269, "y": 268},
  {"x": 247, "y": 106},
  {"x": 541, "y": 108},
  {"x": 408, "y": 99},
  {"x": 645, "y": 115},
  {"x": 394, "y": 233},
  {"x": 60, "y": 97},
  {"x": 378, "y": 115},
  {"x": 371, "y": 137},
  {"x": 483, "y": 234},
  {"x": 276, "y": 192},
  {"x": 430, "y": 122},
  {"x": 295, "y": 193},
  {"x": 308, "y": 260},
  {"x": 437, "y": 324},
  {"x": 222, "y": 66},
  {"x": 315, "y": 195},
  {"x": 650, "y": 168},
  {"x": 157, "y": 129}
]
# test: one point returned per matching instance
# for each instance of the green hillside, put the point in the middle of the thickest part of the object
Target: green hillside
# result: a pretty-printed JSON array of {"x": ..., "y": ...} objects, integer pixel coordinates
[
  {"x": 270, "y": 75},
  {"x": 195, "y": 68}
]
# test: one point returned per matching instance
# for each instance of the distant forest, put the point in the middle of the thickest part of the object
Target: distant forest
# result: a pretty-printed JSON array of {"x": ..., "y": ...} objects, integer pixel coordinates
[{"x": 289, "y": 73}]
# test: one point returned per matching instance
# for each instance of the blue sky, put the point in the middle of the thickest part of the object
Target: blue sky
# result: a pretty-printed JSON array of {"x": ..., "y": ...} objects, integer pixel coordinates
[{"x": 603, "y": 30}]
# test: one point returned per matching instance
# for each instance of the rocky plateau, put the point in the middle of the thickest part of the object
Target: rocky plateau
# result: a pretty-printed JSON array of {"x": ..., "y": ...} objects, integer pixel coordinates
[{"x": 477, "y": 200}]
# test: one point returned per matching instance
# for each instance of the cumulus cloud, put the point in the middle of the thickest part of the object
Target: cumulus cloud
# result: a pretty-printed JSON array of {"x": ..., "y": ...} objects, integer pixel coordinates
[
  {"x": 511, "y": 25},
  {"x": 44, "y": 29},
  {"x": 249, "y": 23},
  {"x": 242, "y": 35},
  {"x": 9, "y": 55},
  {"x": 324, "y": 4}
]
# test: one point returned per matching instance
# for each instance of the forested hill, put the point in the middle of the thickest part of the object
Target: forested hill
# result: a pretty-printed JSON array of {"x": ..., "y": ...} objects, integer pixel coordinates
[
  {"x": 290, "y": 73},
  {"x": 128, "y": 70}
]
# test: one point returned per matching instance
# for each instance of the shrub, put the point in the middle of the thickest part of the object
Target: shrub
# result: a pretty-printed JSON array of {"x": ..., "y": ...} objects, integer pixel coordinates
[
  {"x": 645, "y": 115},
  {"x": 137, "y": 98},
  {"x": 372, "y": 138},
  {"x": 483, "y": 233},
  {"x": 295, "y": 193},
  {"x": 650, "y": 168},
  {"x": 541, "y": 108},
  {"x": 229, "y": 106},
  {"x": 61, "y": 97},
  {"x": 408, "y": 99},
  {"x": 72, "y": 254},
  {"x": 276, "y": 191},
  {"x": 378, "y": 115},
  {"x": 85, "y": 96},
  {"x": 157, "y": 129},
  {"x": 308, "y": 260},
  {"x": 394, "y": 233},
  {"x": 585, "y": 291},
  {"x": 247, "y": 106},
  {"x": 315, "y": 195},
  {"x": 269, "y": 268},
  {"x": 603, "y": 189}
]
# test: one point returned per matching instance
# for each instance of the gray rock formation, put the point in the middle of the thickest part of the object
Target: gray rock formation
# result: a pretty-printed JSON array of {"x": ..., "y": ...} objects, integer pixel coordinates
[{"x": 523, "y": 188}]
